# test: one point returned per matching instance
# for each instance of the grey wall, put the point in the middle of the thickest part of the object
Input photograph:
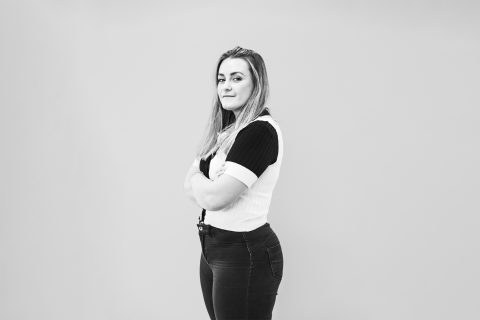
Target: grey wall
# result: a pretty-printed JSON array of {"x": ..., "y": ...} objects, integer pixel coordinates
[{"x": 101, "y": 107}]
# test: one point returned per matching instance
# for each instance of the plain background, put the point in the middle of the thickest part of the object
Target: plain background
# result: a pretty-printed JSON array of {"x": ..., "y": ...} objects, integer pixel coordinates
[{"x": 102, "y": 106}]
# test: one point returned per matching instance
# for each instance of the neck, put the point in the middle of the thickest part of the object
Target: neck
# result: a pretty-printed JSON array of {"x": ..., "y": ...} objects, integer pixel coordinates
[{"x": 236, "y": 113}]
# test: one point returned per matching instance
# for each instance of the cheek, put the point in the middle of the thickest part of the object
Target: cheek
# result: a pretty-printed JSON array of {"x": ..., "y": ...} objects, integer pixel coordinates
[{"x": 247, "y": 90}]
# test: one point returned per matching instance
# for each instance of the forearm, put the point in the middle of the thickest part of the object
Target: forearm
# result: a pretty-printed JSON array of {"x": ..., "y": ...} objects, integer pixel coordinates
[
  {"x": 189, "y": 192},
  {"x": 194, "y": 168},
  {"x": 201, "y": 188}
]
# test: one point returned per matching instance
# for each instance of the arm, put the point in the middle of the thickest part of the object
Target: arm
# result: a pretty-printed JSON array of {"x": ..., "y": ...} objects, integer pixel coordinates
[
  {"x": 217, "y": 194},
  {"x": 254, "y": 149},
  {"x": 194, "y": 169},
  {"x": 188, "y": 191},
  {"x": 213, "y": 194}
]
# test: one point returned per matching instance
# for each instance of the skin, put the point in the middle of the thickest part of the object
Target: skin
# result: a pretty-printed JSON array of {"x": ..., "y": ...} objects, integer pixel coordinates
[
  {"x": 234, "y": 79},
  {"x": 234, "y": 84}
]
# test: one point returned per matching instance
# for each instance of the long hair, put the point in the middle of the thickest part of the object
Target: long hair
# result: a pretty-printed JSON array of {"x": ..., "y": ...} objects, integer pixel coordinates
[{"x": 222, "y": 127}]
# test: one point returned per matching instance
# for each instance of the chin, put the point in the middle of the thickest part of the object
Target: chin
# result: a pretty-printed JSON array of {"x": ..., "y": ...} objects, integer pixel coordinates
[{"x": 229, "y": 108}]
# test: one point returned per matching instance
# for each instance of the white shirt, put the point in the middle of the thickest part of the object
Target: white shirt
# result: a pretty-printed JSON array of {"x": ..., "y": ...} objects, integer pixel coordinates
[{"x": 250, "y": 210}]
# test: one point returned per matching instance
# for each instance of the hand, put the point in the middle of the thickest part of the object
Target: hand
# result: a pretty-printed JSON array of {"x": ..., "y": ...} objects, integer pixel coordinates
[{"x": 219, "y": 172}]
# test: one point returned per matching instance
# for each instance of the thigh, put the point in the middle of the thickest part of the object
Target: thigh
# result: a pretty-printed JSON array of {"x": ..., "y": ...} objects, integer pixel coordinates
[
  {"x": 231, "y": 267},
  {"x": 265, "y": 280},
  {"x": 206, "y": 282},
  {"x": 231, "y": 292},
  {"x": 246, "y": 279}
]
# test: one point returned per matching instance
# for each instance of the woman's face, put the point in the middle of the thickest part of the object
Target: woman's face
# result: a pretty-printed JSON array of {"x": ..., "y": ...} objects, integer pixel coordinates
[{"x": 234, "y": 84}]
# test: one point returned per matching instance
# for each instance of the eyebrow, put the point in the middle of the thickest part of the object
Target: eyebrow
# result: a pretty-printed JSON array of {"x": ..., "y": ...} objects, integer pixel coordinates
[{"x": 221, "y": 74}]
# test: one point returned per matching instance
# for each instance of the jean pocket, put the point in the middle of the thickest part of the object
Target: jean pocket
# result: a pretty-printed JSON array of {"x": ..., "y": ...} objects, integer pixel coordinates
[{"x": 275, "y": 258}]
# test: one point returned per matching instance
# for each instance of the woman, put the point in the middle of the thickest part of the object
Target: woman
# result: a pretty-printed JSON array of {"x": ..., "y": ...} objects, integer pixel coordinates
[{"x": 232, "y": 179}]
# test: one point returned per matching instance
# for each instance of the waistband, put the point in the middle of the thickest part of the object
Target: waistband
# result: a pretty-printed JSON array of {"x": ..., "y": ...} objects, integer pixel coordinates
[{"x": 234, "y": 236}]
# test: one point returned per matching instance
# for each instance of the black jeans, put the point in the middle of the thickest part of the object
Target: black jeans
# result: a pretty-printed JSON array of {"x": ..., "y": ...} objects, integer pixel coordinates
[{"x": 240, "y": 272}]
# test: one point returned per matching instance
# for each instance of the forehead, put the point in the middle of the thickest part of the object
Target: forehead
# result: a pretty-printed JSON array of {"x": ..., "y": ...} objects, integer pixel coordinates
[{"x": 231, "y": 65}]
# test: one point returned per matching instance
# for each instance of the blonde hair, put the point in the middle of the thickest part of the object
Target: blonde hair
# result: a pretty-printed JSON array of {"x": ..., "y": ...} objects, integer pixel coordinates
[{"x": 222, "y": 127}]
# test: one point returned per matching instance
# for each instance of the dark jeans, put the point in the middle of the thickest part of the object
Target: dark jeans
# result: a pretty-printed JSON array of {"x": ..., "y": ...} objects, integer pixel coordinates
[{"x": 240, "y": 272}]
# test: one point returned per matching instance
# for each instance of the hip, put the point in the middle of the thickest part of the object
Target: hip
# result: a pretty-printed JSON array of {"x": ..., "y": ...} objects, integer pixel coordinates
[{"x": 259, "y": 249}]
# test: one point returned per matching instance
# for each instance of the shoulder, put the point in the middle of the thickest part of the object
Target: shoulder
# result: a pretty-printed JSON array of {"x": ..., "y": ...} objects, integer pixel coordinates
[
  {"x": 255, "y": 148},
  {"x": 257, "y": 142},
  {"x": 259, "y": 128}
]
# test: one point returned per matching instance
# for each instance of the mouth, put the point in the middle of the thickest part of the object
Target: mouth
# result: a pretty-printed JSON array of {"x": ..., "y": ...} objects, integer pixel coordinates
[{"x": 228, "y": 96}]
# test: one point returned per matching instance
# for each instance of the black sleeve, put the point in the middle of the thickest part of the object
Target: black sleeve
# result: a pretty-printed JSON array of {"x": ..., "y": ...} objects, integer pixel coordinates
[{"x": 255, "y": 147}]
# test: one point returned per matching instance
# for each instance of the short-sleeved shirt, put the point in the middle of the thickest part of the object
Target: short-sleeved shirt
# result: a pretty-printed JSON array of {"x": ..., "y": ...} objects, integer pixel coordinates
[{"x": 254, "y": 159}]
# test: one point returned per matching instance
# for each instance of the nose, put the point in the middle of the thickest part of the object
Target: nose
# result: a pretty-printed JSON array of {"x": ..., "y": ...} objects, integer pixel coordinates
[{"x": 226, "y": 86}]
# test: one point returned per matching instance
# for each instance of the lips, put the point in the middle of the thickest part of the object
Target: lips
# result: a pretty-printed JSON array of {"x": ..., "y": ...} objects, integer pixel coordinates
[{"x": 228, "y": 96}]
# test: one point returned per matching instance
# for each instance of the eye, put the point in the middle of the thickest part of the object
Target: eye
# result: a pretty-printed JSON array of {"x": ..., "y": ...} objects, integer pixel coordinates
[
  {"x": 237, "y": 78},
  {"x": 220, "y": 80}
]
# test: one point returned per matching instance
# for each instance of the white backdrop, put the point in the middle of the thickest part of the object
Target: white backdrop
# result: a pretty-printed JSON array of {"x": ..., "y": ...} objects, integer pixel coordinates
[{"x": 101, "y": 107}]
